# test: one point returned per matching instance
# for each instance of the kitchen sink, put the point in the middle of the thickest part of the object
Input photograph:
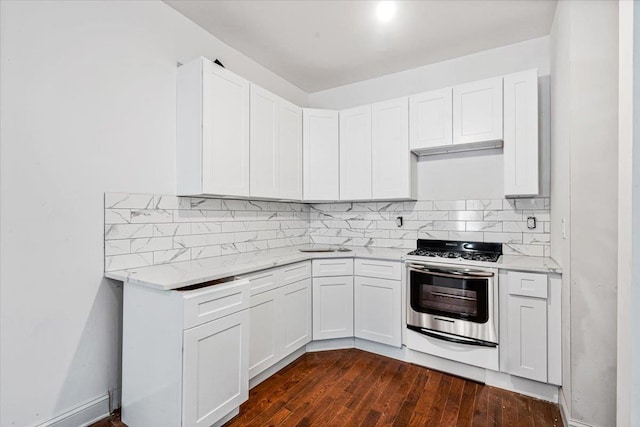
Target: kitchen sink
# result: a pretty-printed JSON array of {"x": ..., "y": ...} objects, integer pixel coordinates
[{"x": 325, "y": 249}]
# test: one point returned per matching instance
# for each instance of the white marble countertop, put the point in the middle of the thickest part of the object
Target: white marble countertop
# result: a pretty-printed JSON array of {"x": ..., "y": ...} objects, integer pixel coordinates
[{"x": 180, "y": 274}]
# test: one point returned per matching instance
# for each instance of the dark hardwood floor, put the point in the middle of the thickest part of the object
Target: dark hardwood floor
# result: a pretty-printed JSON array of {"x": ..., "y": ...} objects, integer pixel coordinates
[{"x": 356, "y": 388}]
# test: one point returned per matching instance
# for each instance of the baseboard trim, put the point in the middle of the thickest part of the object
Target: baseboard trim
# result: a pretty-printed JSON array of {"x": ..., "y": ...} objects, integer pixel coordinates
[{"x": 83, "y": 415}]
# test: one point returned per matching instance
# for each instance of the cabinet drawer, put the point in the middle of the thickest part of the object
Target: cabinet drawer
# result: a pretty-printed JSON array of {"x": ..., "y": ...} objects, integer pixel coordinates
[
  {"x": 263, "y": 281},
  {"x": 296, "y": 272},
  {"x": 527, "y": 284},
  {"x": 376, "y": 268},
  {"x": 332, "y": 267},
  {"x": 207, "y": 304}
]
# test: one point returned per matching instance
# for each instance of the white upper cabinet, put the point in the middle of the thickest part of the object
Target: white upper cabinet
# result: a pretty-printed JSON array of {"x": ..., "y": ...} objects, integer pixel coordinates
[
  {"x": 521, "y": 134},
  {"x": 431, "y": 119},
  {"x": 477, "y": 111},
  {"x": 276, "y": 146},
  {"x": 355, "y": 153},
  {"x": 212, "y": 131},
  {"x": 289, "y": 151},
  {"x": 320, "y": 155},
  {"x": 264, "y": 143},
  {"x": 393, "y": 164}
]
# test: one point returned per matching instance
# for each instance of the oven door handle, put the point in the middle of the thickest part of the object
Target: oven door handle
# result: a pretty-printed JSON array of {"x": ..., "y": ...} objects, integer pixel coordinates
[
  {"x": 446, "y": 337},
  {"x": 452, "y": 273}
]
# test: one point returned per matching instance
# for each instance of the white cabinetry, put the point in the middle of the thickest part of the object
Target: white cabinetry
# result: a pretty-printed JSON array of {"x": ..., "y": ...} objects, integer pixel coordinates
[
  {"x": 529, "y": 327},
  {"x": 184, "y": 354},
  {"x": 378, "y": 301},
  {"x": 477, "y": 111},
  {"x": 212, "y": 131},
  {"x": 320, "y": 154},
  {"x": 431, "y": 119},
  {"x": 521, "y": 134},
  {"x": 276, "y": 146},
  {"x": 264, "y": 143},
  {"x": 296, "y": 309},
  {"x": 265, "y": 337},
  {"x": 393, "y": 164},
  {"x": 332, "y": 298},
  {"x": 280, "y": 314},
  {"x": 355, "y": 153},
  {"x": 332, "y": 307},
  {"x": 215, "y": 369},
  {"x": 289, "y": 151}
]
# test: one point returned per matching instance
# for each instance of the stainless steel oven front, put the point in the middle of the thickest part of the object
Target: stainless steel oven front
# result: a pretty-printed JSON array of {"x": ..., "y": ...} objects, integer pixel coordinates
[{"x": 453, "y": 303}]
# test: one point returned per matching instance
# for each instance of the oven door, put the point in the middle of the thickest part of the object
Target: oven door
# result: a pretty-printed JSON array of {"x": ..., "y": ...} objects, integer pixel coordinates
[{"x": 455, "y": 304}]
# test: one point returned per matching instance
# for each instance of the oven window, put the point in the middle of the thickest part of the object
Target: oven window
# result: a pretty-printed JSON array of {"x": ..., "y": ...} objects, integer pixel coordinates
[{"x": 457, "y": 298}]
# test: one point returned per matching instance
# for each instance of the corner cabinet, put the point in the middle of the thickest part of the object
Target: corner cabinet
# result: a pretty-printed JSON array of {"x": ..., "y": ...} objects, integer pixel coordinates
[
  {"x": 212, "y": 131},
  {"x": 521, "y": 134},
  {"x": 320, "y": 155},
  {"x": 184, "y": 354},
  {"x": 355, "y": 153},
  {"x": 332, "y": 298},
  {"x": 276, "y": 147}
]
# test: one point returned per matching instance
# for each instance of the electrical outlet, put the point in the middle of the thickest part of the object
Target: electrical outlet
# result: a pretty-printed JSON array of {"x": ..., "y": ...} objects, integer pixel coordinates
[
  {"x": 563, "y": 228},
  {"x": 531, "y": 223}
]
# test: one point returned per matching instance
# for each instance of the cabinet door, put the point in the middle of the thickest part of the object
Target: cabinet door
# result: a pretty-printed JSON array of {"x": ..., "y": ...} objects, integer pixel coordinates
[
  {"x": 296, "y": 312},
  {"x": 264, "y": 140},
  {"x": 477, "y": 111},
  {"x": 355, "y": 153},
  {"x": 215, "y": 369},
  {"x": 431, "y": 119},
  {"x": 265, "y": 332},
  {"x": 377, "y": 310},
  {"x": 225, "y": 132},
  {"x": 320, "y": 154},
  {"x": 332, "y": 307},
  {"x": 527, "y": 337},
  {"x": 391, "y": 158},
  {"x": 289, "y": 151},
  {"x": 521, "y": 134}
]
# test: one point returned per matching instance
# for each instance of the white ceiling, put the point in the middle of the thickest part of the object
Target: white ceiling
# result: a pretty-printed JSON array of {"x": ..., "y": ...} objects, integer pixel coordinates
[{"x": 318, "y": 45}]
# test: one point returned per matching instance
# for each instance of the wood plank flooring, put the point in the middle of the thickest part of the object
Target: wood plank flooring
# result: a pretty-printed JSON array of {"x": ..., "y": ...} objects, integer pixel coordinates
[{"x": 356, "y": 388}]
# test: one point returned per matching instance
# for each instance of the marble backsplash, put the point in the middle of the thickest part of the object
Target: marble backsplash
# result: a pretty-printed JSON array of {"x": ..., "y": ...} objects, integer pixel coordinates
[
  {"x": 144, "y": 229},
  {"x": 374, "y": 224}
]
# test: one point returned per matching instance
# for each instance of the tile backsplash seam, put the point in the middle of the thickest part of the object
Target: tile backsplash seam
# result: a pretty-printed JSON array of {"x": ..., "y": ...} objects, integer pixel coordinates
[{"x": 145, "y": 229}]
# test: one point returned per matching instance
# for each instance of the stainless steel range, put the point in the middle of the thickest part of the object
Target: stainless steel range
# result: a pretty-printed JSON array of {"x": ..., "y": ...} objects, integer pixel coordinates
[{"x": 452, "y": 291}]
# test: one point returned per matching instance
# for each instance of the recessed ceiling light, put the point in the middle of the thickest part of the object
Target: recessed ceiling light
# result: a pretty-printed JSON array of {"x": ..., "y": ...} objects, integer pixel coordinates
[{"x": 386, "y": 10}]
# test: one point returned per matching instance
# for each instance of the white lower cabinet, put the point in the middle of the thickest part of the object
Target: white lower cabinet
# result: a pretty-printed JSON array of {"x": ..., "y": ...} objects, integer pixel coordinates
[
  {"x": 297, "y": 315},
  {"x": 377, "y": 310},
  {"x": 332, "y": 307},
  {"x": 280, "y": 314},
  {"x": 527, "y": 348},
  {"x": 185, "y": 354},
  {"x": 215, "y": 379},
  {"x": 265, "y": 338},
  {"x": 529, "y": 327}
]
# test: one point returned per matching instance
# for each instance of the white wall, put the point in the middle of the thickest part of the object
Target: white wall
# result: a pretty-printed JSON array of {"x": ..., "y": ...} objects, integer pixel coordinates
[
  {"x": 440, "y": 177},
  {"x": 628, "y": 375},
  {"x": 585, "y": 129},
  {"x": 88, "y": 106},
  {"x": 560, "y": 171},
  {"x": 488, "y": 63}
]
